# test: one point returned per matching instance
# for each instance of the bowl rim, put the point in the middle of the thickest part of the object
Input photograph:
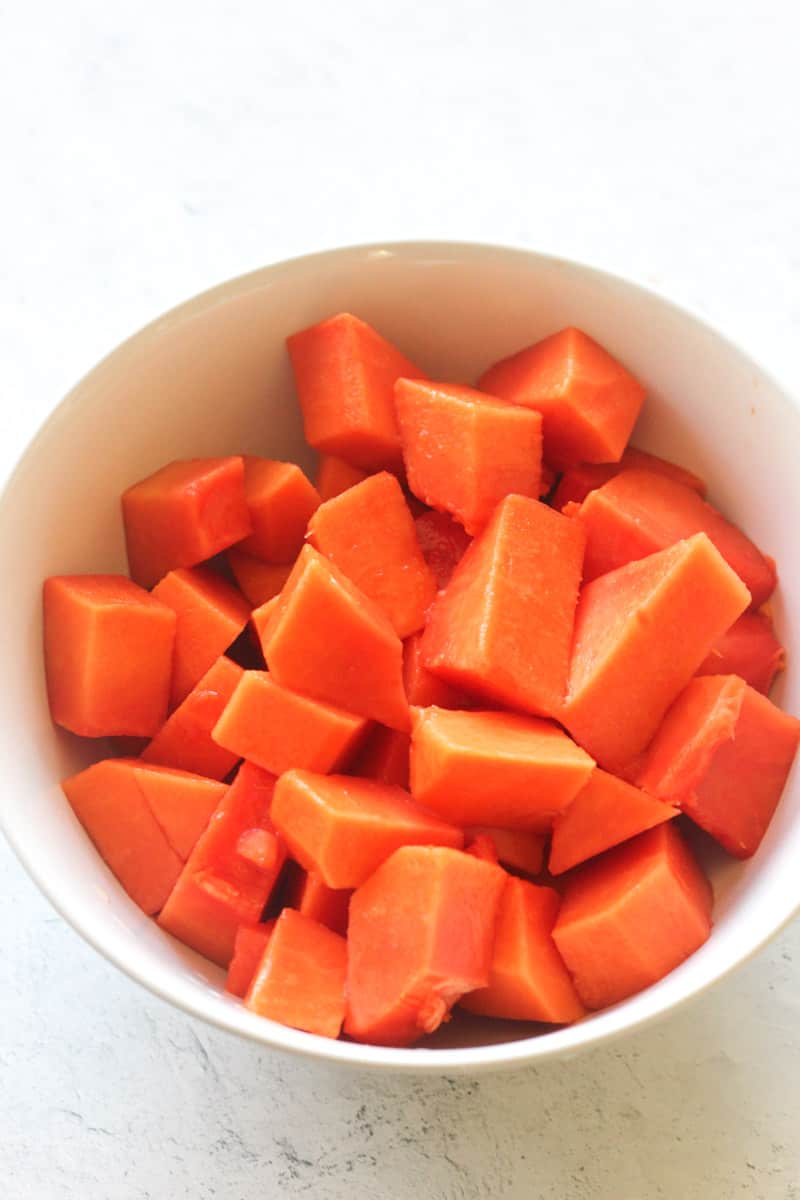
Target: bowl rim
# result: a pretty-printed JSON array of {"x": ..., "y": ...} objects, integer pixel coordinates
[{"x": 600, "y": 1028}]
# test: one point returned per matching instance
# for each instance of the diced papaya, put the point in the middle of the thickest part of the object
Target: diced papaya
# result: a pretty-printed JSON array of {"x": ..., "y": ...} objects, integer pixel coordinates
[
  {"x": 577, "y": 482},
  {"x": 632, "y": 915},
  {"x": 492, "y": 768},
  {"x": 640, "y": 634},
  {"x": 384, "y": 756},
  {"x": 220, "y": 889},
  {"x": 517, "y": 849},
  {"x": 184, "y": 514},
  {"x": 185, "y": 740},
  {"x": 335, "y": 476},
  {"x": 639, "y": 513},
  {"x": 604, "y": 813},
  {"x": 443, "y": 542},
  {"x": 210, "y": 614},
  {"x": 248, "y": 951},
  {"x": 368, "y": 532},
  {"x": 108, "y": 655},
  {"x": 419, "y": 936},
  {"x": 342, "y": 828},
  {"x": 280, "y": 500},
  {"x": 345, "y": 372},
  {"x": 143, "y": 820},
  {"x": 422, "y": 687},
  {"x": 589, "y": 402},
  {"x": 260, "y": 618},
  {"x": 464, "y": 451},
  {"x": 502, "y": 628},
  {"x": 278, "y": 729},
  {"x": 258, "y": 580},
  {"x": 312, "y": 897},
  {"x": 723, "y": 755},
  {"x": 748, "y": 649},
  {"x": 300, "y": 979},
  {"x": 527, "y": 977},
  {"x": 327, "y": 640}
]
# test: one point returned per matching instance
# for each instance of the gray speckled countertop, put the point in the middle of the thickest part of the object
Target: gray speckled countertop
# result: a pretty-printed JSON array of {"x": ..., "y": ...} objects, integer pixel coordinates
[{"x": 148, "y": 156}]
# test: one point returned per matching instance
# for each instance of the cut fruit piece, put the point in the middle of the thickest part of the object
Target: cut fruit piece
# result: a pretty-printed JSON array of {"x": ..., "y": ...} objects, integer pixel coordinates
[
  {"x": 588, "y": 401},
  {"x": 480, "y": 768},
  {"x": 210, "y": 614},
  {"x": 220, "y": 889},
  {"x": 184, "y": 514},
  {"x": 312, "y": 897},
  {"x": 465, "y": 451},
  {"x": 342, "y": 828},
  {"x": 639, "y": 513},
  {"x": 300, "y": 980},
  {"x": 604, "y": 813},
  {"x": 527, "y": 979},
  {"x": 108, "y": 655},
  {"x": 502, "y": 628},
  {"x": 368, "y": 532},
  {"x": 261, "y": 617},
  {"x": 640, "y": 634},
  {"x": 185, "y": 741},
  {"x": 748, "y": 649},
  {"x": 258, "y": 580},
  {"x": 281, "y": 501},
  {"x": 420, "y": 935},
  {"x": 345, "y": 374},
  {"x": 143, "y": 820},
  {"x": 631, "y": 916},
  {"x": 248, "y": 951},
  {"x": 422, "y": 687},
  {"x": 577, "y": 482},
  {"x": 278, "y": 729},
  {"x": 335, "y": 476},
  {"x": 385, "y": 757},
  {"x": 443, "y": 542},
  {"x": 516, "y": 849},
  {"x": 326, "y": 639},
  {"x": 723, "y": 755}
]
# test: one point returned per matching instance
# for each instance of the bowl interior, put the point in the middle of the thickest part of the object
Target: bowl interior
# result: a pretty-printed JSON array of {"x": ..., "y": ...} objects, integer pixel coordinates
[{"x": 212, "y": 378}]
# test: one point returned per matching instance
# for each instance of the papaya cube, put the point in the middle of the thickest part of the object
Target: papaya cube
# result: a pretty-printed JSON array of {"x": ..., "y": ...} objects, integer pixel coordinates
[
  {"x": 528, "y": 980},
  {"x": 248, "y": 951},
  {"x": 517, "y": 849},
  {"x": 589, "y": 402},
  {"x": 143, "y": 820},
  {"x": 748, "y": 649},
  {"x": 423, "y": 688},
  {"x": 502, "y": 628},
  {"x": 211, "y": 614},
  {"x": 281, "y": 500},
  {"x": 108, "y": 649},
  {"x": 464, "y": 451},
  {"x": 344, "y": 372},
  {"x": 221, "y": 888},
  {"x": 576, "y": 482},
  {"x": 335, "y": 476},
  {"x": 368, "y": 532},
  {"x": 300, "y": 979},
  {"x": 312, "y": 897},
  {"x": 185, "y": 741},
  {"x": 640, "y": 512},
  {"x": 641, "y": 632},
  {"x": 420, "y": 935},
  {"x": 327, "y": 640},
  {"x": 631, "y": 916},
  {"x": 493, "y": 768},
  {"x": 278, "y": 729},
  {"x": 183, "y": 514},
  {"x": 384, "y": 756},
  {"x": 723, "y": 755},
  {"x": 342, "y": 828}
]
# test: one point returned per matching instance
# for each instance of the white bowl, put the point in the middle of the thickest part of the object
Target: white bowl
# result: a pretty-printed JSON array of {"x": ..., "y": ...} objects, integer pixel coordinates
[{"x": 212, "y": 377}]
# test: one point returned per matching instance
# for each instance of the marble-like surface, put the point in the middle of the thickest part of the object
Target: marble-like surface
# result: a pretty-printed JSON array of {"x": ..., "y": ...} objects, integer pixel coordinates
[{"x": 151, "y": 151}]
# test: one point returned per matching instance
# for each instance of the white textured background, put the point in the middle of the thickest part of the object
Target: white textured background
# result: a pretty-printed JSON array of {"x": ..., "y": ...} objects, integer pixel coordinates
[{"x": 149, "y": 151}]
